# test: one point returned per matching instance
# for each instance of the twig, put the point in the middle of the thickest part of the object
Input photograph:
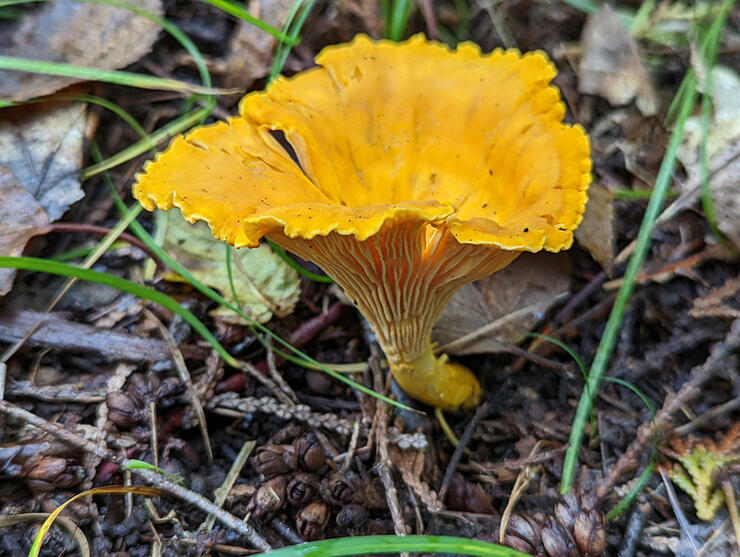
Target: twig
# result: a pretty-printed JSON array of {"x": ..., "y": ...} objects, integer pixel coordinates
[
  {"x": 427, "y": 9},
  {"x": 729, "y": 490},
  {"x": 286, "y": 531},
  {"x": 384, "y": 461},
  {"x": 153, "y": 478},
  {"x": 707, "y": 416},
  {"x": 690, "y": 390},
  {"x": 227, "y": 519},
  {"x": 184, "y": 373},
  {"x": 461, "y": 446},
  {"x": 236, "y": 469},
  {"x": 56, "y": 430},
  {"x": 633, "y": 530}
]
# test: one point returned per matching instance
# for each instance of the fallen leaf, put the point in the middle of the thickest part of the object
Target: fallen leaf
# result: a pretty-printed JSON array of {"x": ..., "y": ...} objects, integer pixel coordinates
[
  {"x": 486, "y": 315},
  {"x": 264, "y": 283},
  {"x": 723, "y": 151},
  {"x": 21, "y": 218},
  {"x": 42, "y": 147},
  {"x": 84, "y": 34},
  {"x": 596, "y": 231},
  {"x": 610, "y": 64},
  {"x": 252, "y": 50},
  {"x": 411, "y": 465}
]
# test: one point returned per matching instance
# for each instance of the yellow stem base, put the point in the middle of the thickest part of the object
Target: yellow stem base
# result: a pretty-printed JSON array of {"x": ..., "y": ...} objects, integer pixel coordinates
[{"x": 437, "y": 381}]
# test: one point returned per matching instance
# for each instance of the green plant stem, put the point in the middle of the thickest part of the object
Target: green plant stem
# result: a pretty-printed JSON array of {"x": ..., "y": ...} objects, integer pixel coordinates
[
  {"x": 239, "y": 11},
  {"x": 293, "y": 25},
  {"x": 118, "y": 77},
  {"x": 688, "y": 94},
  {"x": 640, "y": 484},
  {"x": 609, "y": 338},
  {"x": 370, "y": 545},
  {"x": 162, "y": 134},
  {"x": 399, "y": 17},
  {"x": 300, "y": 270}
]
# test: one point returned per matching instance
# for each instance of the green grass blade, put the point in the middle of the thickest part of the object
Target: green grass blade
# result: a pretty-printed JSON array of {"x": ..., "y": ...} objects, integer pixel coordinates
[
  {"x": 300, "y": 270},
  {"x": 293, "y": 24},
  {"x": 140, "y": 147},
  {"x": 118, "y": 77},
  {"x": 371, "y": 545},
  {"x": 399, "y": 18},
  {"x": 167, "y": 25},
  {"x": 82, "y": 252},
  {"x": 611, "y": 332},
  {"x": 640, "y": 394},
  {"x": 239, "y": 11},
  {"x": 609, "y": 338},
  {"x": 640, "y": 484},
  {"x": 57, "y": 268},
  {"x": 81, "y": 97}
]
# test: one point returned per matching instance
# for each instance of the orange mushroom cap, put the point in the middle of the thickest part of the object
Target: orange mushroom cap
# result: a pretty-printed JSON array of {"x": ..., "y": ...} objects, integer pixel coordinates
[{"x": 404, "y": 170}]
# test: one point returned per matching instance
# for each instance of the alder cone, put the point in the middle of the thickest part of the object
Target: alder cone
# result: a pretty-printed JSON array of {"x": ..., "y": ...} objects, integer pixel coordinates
[
  {"x": 274, "y": 460},
  {"x": 576, "y": 530},
  {"x": 312, "y": 520}
]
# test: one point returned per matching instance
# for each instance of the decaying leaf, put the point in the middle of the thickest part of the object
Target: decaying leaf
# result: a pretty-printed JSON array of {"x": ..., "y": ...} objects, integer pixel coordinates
[
  {"x": 42, "y": 147},
  {"x": 21, "y": 218},
  {"x": 411, "y": 465},
  {"x": 723, "y": 151},
  {"x": 485, "y": 315},
  {"x": 264, "y": 284},
  {"x": 610, "y": 65},
  {"x": 252, "y": 50},
  {"x": 86, "y": 34},
  {"x": 596, "y": 232}
]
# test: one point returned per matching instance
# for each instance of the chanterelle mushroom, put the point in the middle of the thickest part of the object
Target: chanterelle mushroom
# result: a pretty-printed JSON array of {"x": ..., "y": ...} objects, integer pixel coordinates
[{"x": 411, "y": 170}]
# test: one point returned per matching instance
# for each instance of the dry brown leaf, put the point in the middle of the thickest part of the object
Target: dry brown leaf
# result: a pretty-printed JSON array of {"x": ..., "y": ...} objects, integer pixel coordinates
[
  {"x": 42, "y": 147},
  {"x": 21, "y": 218},
  {"x": 498, "y": 310},
  {"x": 411, "y": 465},
  {"x": 596, "y": 231},
  {"x": 85, "y": 34},
  {"x": 252, "y": 50},
  {"x": 723, "y": 152},
  {"x": 610, "y": 64}
]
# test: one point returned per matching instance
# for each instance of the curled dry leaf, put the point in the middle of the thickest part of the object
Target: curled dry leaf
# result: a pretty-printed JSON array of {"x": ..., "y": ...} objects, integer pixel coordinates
[
  {"x": 264, "y": 283},
  {"x": 42, "y": 147},
  {"x": 85, "y": 34},
  {"x": 488, "y": 314},
  {"x": 610, "y": 65},
  {"x": 411, "y": 465},
  {"x": 21, "y": 218},
  {"x": 596, "y": 232}
]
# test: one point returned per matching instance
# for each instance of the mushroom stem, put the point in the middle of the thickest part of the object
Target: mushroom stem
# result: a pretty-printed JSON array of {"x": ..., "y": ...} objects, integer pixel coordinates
[{"x": 400, "y": 279}]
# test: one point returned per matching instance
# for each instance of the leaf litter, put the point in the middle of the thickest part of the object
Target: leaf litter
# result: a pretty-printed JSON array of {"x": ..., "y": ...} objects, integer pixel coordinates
[
  {"x": 265, "y": 285},
  {"x": 84, "y": 34}
]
